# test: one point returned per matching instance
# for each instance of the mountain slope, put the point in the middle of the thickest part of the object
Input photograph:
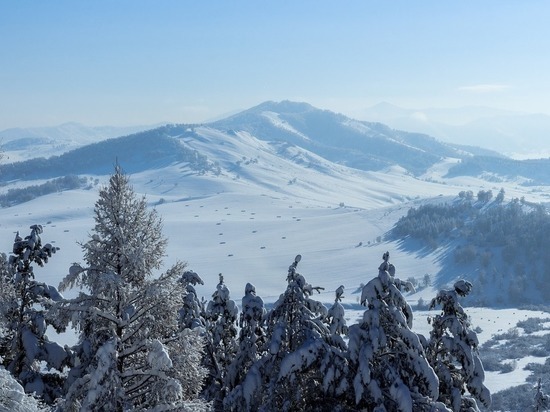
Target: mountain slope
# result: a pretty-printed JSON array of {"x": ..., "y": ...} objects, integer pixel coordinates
[{"x": 362, "y": 145}]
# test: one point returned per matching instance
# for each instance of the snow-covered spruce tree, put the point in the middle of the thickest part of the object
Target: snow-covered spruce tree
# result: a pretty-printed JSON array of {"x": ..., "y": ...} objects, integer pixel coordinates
[
  {"x": 251, "y": 339},
  {"x": 131, "y": 354},
  {"x": 24, "y": 306},
  {"x": 303, "y": 367},
  {"x": 221, "y": 345},
  {"x": 335, "y": 316},
  {"x": 452, "y": 352},
  {"x": 192, "y": 312},
  {"x": 389, "y": 367}
]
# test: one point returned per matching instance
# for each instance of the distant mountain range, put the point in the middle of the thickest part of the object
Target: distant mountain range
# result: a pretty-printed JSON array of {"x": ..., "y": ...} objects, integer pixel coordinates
[
  {"x": 282, "y": 128},
  {"x": 520, "y": 135}
]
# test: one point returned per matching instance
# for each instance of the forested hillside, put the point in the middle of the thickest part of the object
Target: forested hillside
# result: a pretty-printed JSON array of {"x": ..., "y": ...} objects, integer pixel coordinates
[{"x": 501, "y": 246}]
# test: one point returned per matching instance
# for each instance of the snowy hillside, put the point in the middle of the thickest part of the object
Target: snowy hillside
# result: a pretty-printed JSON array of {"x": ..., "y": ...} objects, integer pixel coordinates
[{"x": 243, "y": 201}]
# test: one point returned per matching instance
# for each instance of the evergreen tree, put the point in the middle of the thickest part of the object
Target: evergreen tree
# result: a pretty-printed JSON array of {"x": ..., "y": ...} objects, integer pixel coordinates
[
  {"x": 24, "y": 310},
  {"x": 130, "y": 353},
  {"x": 251, "y": 339},
  {"x": 389, "y": 367},
  {"x": 221, "y": 346},
  {"x": 301, "y": 367},
  {"x": 192, "y": 312},
  {"x": 453, "y": 342}
]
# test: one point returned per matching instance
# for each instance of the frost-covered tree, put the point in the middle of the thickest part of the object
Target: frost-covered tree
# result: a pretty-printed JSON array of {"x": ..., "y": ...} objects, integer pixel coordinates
[
  {"x": 131, "y": 353},
  {"x": 251, "y": 340},
  {"x": 389, "y": 367},
  {"x": 192, "y": 312},
  {"x": 452, "y": 352},
  {"x": 221, "y": 345},
  {"x": 335, "y": 316},
  {"x": 24, "y": 345},
  {"x": 302, "y": 366}
]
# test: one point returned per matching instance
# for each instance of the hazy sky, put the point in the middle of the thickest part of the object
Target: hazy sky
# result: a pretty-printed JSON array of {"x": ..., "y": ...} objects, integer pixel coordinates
[{"x": 141, "y": 62}]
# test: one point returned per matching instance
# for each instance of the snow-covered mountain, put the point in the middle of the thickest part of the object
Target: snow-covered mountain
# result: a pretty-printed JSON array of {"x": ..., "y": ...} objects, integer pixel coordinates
[
  {"x": 244, "y": 195},
  {"x": 24, "y": 143},
  {"x": 278, "y": 158}
]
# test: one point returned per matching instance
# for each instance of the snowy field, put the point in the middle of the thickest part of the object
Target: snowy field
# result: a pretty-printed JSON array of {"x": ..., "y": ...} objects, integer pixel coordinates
[{"x": 250, "y": 231}]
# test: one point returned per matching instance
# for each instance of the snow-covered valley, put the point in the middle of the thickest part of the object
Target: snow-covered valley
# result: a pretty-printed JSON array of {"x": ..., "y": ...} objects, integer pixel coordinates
[{"x": 269, "y": 203}]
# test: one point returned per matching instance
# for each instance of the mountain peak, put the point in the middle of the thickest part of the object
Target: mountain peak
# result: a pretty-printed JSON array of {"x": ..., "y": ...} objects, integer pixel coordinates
[{"x": 284, "y": 106}]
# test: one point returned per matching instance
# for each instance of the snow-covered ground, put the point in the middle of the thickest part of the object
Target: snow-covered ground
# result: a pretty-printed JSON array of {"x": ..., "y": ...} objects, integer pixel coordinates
[{"x": 250, "y": 223}]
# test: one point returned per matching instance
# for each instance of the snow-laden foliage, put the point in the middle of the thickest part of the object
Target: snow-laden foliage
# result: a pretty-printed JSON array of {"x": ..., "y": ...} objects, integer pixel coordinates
[
  {"x": 24, "y": 345},
  {"x": 251, "y": 339},
  {"x": 390, "y": 369},
  {"x": 13, "y": 397},
  {"x": 221, "y": 345},
  {"x": 131, "y": 348},
  {"x": 192, "y": 311},
  {"x": 301, "y": 366},
  {"x": 452, "y": 351}
]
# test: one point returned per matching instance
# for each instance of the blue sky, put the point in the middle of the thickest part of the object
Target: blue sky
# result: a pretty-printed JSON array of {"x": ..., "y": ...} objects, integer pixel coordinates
[{"x": 142, "y": 62}]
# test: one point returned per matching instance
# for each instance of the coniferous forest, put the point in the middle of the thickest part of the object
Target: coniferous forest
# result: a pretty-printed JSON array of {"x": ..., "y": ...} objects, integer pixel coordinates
[{"x": 147, "y": 342}]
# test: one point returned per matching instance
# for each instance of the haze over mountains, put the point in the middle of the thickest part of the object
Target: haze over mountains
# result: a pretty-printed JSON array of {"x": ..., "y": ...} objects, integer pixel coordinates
[
  {"x": 515, "y": 134},
  {"x": 283, "y": 128}
]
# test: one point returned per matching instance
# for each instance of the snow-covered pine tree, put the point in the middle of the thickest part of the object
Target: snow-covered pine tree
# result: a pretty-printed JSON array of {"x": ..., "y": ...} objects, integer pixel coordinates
[
  {"x": 251, "y": 339},
  {"x": 24, "y": 306},
  {"x": 221, "y": 345},
  {"x": 131, "y": 353},
  {"x": 302, "y": 367},
  {"x": 389, "y": 367},
  {"x": 452, "y": 352}
]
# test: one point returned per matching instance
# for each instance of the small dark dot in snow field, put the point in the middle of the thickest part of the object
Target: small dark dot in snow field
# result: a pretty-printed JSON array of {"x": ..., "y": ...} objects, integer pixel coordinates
[
  {"x": 297, "y": 220},
  {"x": 231, "y": 254},
  {"x": 284, "y": 237},
  {"x": 196, "y": 215},
  {"x": 218, "y": 223},
  {"x": 278, "y": 217},
  {"x": 242, "y": 211},
  {"x": 226, "y": 207},
  {"x": 251, "y": 218},
  {"x": 201, "y": 206},
  {"x": 254, "y": 231},
  {"x": 66, "y": 230},
  {"x": 220, "y": 234},
  {"x": 262, "y": 247},
  {"x": 222, "y": 243}
]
